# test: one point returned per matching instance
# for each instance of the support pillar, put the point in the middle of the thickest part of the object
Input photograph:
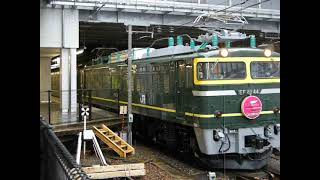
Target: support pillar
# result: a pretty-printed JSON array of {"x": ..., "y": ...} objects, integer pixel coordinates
[
  {"x": 73, "y": 80},
  {"x": 129, "y": 84},
  {"x": 68, "y": 84},
  {"x": 45, "y": 78},
  {"x": 64, "y": 81}
]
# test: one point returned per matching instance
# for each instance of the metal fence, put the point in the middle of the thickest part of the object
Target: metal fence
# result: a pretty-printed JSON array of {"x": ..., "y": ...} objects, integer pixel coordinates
[
  {"x": 55, "y": 160},
  {"x": 99, "y": 102}
]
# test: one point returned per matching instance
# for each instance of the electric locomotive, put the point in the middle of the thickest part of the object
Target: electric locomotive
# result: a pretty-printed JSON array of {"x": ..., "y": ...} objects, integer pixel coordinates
[{"x": 220, "y": 104}]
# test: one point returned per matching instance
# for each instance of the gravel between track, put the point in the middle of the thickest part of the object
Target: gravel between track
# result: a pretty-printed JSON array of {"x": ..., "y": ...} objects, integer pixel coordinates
[{"x": 161, "y": 165}]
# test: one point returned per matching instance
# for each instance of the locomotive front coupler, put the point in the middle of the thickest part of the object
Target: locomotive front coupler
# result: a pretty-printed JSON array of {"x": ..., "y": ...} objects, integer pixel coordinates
[{"x": 256, "y": 142}]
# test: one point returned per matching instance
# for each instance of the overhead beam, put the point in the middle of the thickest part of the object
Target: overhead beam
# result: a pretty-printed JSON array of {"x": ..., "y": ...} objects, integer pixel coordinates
[
  {"x": 171, "y": 6},
  {"x": 139, "y": 19}
]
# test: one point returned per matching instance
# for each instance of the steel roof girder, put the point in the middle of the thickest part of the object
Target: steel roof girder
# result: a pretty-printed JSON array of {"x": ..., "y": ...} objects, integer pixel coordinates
[{"x": 192, "y": 7}]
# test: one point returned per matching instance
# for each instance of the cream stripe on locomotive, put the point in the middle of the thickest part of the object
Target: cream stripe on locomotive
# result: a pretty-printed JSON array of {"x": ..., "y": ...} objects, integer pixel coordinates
[
  {"x": 270, "y": 91},
  {"x": 214, "y": 93},
  {"x": 173, "y": 110},
  {"x": 232, "y": 92}
]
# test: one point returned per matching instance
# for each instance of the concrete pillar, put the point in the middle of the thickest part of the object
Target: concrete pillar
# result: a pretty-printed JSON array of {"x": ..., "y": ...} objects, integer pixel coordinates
[
  {"x": 45, "y": 78},
  {"x": 73, "y": 79},
  {"x": 68, "y": 84},
  {"x": 64, "y": 80}
]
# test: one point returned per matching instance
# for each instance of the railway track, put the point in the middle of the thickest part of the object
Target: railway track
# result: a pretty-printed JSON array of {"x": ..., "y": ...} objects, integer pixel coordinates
[
  {"x": 165, "y": 164},
  {"x": 162, "y": 164},
  {"x": 275, "y": 157},
  {"x": 179, "y": 168}
]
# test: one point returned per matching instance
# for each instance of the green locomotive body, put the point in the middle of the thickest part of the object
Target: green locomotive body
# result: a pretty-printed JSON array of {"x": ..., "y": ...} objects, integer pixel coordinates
[
  {"x": 221, "y": 105},
  {"x": 192, "y": 102}
]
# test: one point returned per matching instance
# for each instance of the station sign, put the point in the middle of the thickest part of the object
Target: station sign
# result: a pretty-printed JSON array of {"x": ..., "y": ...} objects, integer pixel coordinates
[{"x": 123, "y": 110}]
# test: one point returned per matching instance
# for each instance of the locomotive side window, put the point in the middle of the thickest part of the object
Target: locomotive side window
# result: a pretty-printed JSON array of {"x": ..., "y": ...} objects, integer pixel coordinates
[
  {"x": 189, "y": 75},
  {"x": 221, "y": 70},
  {"x": 265, "y": 70},
  {"x": 182, "y": 68}
]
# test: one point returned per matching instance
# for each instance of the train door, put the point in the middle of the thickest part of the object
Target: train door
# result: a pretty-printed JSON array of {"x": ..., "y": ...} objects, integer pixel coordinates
[{"x": 180, "y": 88}]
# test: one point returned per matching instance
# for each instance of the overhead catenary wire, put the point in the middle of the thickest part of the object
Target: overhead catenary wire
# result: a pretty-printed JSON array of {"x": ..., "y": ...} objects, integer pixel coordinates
[
  {"x": 241, "y": 3},
  {"x": 181, "y": 25},
  {"x": 99, "y": 8},
  {"x": 250, "y": 6},
  {"x": 157, "y": 41},
  {"x": 241, "y": 9},
  {"x": 225, "y": 9}
]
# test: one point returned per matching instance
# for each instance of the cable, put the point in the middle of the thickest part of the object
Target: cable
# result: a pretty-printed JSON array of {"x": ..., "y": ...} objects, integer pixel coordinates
[
  {"x": 250, "y": 6},
  {"x": 98, "y": 9},
  {"x": 179, "y": 26},
  {"x": 228, "y": 143},
  {"x": 157, "y": 41},
  {"x": 241, "y": 7},
  {"x": 187, "y": 36},
  {"x": 241, "y": 3},
  {"x": 222, "y": 143}
]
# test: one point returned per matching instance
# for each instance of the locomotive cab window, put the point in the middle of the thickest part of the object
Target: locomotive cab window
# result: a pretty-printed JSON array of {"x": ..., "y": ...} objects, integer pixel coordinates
[
  {"x": 265, "y": 70},
  {"x": 221, "y": 70}
]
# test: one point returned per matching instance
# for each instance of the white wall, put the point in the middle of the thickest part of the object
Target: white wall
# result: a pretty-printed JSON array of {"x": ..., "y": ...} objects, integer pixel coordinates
[{"x": 51, "y": 33}]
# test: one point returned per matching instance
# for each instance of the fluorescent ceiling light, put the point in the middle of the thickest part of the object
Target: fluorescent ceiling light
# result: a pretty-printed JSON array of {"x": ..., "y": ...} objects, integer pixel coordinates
[
  {"x": 57, "y": 59},
  {"x": 80, "y": 51}
]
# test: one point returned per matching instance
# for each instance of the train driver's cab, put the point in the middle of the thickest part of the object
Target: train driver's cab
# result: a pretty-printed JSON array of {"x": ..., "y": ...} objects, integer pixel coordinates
[{"x": 236, "y": 70}]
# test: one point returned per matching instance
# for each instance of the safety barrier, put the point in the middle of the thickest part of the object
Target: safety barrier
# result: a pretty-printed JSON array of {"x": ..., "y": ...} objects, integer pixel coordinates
[{"x": 56, "y": 162}]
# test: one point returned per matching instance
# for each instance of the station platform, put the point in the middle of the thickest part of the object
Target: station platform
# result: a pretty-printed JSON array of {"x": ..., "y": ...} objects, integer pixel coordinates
[
  {"x": 69, "y": 123},
  {"x": 76, "y": 127}
]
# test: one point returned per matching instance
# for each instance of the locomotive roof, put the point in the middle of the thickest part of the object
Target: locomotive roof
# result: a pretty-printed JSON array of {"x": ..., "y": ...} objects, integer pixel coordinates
[
  {"x": 240, "y": 52},
  {"x": 233, "y": 52}
]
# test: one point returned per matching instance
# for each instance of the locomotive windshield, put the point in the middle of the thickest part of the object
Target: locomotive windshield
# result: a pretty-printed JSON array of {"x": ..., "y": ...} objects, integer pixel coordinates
[
  {"x": 221, "y": 70},
  {"x": 265, "y": 70}
]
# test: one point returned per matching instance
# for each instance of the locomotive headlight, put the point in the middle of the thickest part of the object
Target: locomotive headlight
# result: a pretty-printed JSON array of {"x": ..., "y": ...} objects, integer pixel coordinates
[
  {"x": 224, "y": 52},
  {"x": 267, "y": 52},
  {"x": 276, "y": 129}
]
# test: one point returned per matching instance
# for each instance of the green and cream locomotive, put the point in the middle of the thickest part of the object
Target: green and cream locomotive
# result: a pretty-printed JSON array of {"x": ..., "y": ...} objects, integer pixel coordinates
[{"x": 220, "y": 104}]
